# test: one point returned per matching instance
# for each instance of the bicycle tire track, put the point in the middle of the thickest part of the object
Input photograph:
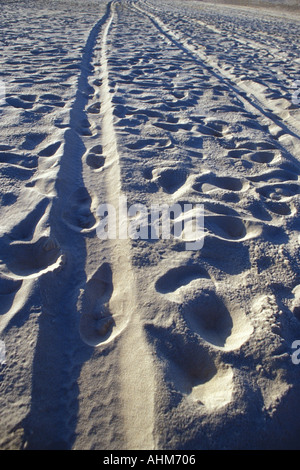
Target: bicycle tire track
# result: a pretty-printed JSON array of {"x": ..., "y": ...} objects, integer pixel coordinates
[{"x": 120, "y": 304}]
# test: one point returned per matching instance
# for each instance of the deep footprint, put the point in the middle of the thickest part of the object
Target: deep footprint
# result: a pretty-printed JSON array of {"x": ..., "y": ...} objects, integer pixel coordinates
[
  {"x": 262, "y": 157},
  {"x": 79, "y": 211},
  {"x": 278, "y": 192},
  {"x": 208, "y": 316},
  {"x": 226, "y": 227},
  {"x": 212, "y": 182},
  {"x": 50, "y": 150},
  {"x": 94, "y": 158},
  {"x": 26, "y": 161},
  {"x": 96, "y": 321},
  {"x": 191, "y": 370},
  {"x": 178, "y": 277},
  {"x": 30, "y": 260},
  {"x": 170, "y": 179}
]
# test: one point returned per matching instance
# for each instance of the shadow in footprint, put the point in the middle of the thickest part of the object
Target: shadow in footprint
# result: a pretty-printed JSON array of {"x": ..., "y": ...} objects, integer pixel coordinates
[
  {"x": 262, "y": 157},
  {"x": 94, "y": 158},
  {"x": 237, "y": 153},
  {"x": 188, "y": 363},
  {"x": 50, "y": 150},
  {"x": 32, "y": 140},
  {"x": 8, "y": 290},
  {"x": 227, "y": 227},
  {"x": 30, "y": 260},
  {"x": 150, "y": 143},
  {"x": 211, "y": 182},
  {"x": 25, "y": 229},
  {"x": 95, "y": 161},
  {"x": 274, "y": 176},
  {"x": 208, "y": 316},
  {"x": 189, "y": 369},
  {"x": 25, "y": 161},
  {"x": 18, "y": 103},
  {"x": 222, "y": 254},
  {"x": 279, "y": 208},
  {"x": 277, "y": 192},
  {"x": 79, "y": 211},
  {"x": 220, "y": 209},
  {"x": 170, "y": 179},
  {"x": 94, "y": 108},
  {"x": 96, "y": 321},
  {"x": 9, "y": 286},
  {"x": 178, "y": 277}
]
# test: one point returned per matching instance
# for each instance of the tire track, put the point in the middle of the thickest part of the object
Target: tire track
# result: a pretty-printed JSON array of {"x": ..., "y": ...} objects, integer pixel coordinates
[
  {"x": 115, "y": 328},
  {"x": 136, "y": 373}
]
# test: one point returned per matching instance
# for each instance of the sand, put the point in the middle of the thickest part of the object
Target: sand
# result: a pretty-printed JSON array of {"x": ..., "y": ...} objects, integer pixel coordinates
[{"x": 138, "y": 342}]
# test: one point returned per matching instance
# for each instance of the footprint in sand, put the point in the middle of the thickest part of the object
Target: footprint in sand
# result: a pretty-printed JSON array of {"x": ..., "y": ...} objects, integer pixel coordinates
[
  {"x": 30, "y": 224},
  {"x": 86, "y": 128},
  {"x": 79, "y": 211},
  {"x": 237, "y": 153},
  {"x": 172, "y": 127},
  {"x": 226, "y": 227},
  {"x": 50, "y": 150},
  {"x": 279, "y": 192},
  {"x": 95, "y": 158},
  {"x": 53, "y": 99},
  {"x": 22, "y": 260},
  {"x": 274, "y": 176},
  {"x": 33, "y": 139},
  {"x": 220, "y": 209},
  {"x": 150, "y": 143},
  {"x": 214, "y": 128},
  {"x": 22, "y": 161},
  {"x": 170, "y": 179},
  {"x": 279, "y": 208},
  {"x": 210, "y": 126},
  {"x": 94, "y": 108},
  {"x": 203, "y": 309},
  {"x": 129, "y": 123},
  {"x": 96, "y": 321},
  {"x": 263, "y": 156},
  {"x": 23, "y": 101},
  {"x": 234, "y": 229},
  {"x": 207, "y": 314},
  {"x": 210, "y": 182},
  {"x": 175, "y": 278},
  {"x": 261, "y": 145},
  {"x": 192, "y": 369}
]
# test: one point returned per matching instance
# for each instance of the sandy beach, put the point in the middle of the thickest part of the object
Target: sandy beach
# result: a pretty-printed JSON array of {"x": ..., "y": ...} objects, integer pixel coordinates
[{"x": 150, "y": 231}]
